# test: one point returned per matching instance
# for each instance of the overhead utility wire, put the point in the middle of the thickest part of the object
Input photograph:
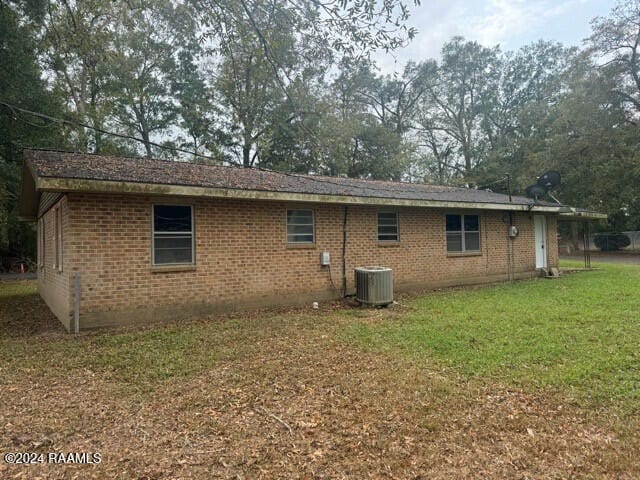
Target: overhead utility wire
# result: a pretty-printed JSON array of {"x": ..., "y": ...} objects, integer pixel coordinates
[{"x": 76, "y": 123}]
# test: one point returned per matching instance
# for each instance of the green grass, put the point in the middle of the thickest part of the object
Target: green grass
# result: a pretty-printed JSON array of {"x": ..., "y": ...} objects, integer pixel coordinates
[
  {"x": 134, "y": 361},
  {"x": 579, "y": 334},
  {"x": 32, "y": 341}
]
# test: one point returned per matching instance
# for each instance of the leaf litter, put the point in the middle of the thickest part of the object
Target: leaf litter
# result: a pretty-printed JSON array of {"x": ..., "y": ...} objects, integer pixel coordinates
[{"x": 287, "y": 398}]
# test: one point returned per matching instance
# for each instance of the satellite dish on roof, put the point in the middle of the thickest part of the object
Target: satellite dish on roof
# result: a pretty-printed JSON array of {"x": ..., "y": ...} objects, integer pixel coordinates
[
  {"x": 550, "y": 180},
  {"x": 536, "y": 191}
]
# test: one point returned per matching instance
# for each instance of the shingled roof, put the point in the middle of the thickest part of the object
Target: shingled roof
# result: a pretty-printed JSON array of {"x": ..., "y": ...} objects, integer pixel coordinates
[{"x": 62, "y": 171}]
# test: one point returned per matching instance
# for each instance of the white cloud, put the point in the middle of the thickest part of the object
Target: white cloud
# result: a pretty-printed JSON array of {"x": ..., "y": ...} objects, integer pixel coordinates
[
  {"x": 507, "y": 19},
  {"x": 510, "y": 23}
]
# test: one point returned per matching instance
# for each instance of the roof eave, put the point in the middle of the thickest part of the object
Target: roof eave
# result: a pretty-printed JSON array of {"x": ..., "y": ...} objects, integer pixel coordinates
[
  {"x": 577, "y": 214},
  {"x": 29, "y": 194},
  {"x": 55, "y": 184}
]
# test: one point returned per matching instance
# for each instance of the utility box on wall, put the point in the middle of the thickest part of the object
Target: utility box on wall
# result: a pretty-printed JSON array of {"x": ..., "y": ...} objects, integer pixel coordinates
[{"x": 325, "y": 259}]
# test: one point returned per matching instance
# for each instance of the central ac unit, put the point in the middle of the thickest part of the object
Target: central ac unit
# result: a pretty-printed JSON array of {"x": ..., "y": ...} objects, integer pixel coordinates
[{"x": 374, "y": 285}]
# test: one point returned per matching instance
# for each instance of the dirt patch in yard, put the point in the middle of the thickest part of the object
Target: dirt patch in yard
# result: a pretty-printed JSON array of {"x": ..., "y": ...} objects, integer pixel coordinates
[
  {"x": 24, "y": 313},
  {"x": 285, "y": 398}
]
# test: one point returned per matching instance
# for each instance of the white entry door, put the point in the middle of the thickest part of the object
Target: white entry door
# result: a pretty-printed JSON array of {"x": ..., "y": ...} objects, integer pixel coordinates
[{"x": 541, "y": 240}]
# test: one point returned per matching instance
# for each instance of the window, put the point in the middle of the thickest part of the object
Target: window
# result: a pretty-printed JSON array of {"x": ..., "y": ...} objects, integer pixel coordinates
[
  {"x": 388, "y": 227},
  {"x": 300, "y": 226},
  {"x": 463, "y": 233},
  {"x": 41, "y": 242},
  {"x": 57, "y": 239},
  {"x": 172, "y": 234}
]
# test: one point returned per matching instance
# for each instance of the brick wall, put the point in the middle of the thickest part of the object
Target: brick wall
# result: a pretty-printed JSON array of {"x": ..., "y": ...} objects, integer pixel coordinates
[
  {"x": 421, "y": 259},
  {"x": 53, "y": 282},
  {"x": 243, "y": 260}
]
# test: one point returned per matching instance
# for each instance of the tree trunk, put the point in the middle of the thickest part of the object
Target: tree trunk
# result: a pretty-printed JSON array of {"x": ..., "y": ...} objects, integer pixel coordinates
[
  {"x": 147, "y": 145},
  {"x": 144, "y": 128},
  {"x": 467, "y": 158},
  {"x": 246, "y": 155},
  {"x": 576, "y": 237}
]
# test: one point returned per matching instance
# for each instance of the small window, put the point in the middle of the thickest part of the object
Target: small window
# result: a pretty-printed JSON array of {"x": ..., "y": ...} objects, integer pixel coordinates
[
  {"x": 60, "y": 241},
  {"x": 57, "y": 239},
  {"x": 463, "y": 233},
  {"x": 300, "y": 226},
  {"x": 41, "y": 242},
  {"x": 388, "y": 227},
  {"x": 172, "y": 234}
]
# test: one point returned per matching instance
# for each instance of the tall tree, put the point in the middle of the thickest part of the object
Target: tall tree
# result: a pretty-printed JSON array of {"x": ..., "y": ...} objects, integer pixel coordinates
[
  {"x": 351, "y": 27},
  {"x": 395, "y": 98},
  {"x": 75, "y": 45},
  {"x": 21, "y": 85},
  {"x": 142, "y": 68},
  {"x": 363, "y": 130},
  {"x": 531, "y": 81},
  {"x": 458, "y": 100},
  {"x": 590, "y": 141},
  {"x": 615, "y": 42},
  {"x": 195, "y": 106},
  {"x": 305, "y": 30},
  {"x": 248, "y": 82}
]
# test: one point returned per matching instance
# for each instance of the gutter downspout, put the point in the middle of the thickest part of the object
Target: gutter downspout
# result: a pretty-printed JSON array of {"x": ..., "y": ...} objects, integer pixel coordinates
[{"x": 510, "y": 249}]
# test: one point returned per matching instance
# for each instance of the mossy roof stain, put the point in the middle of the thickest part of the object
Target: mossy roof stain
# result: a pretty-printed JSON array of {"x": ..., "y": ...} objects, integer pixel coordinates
[{"x": 81, "y": 166}]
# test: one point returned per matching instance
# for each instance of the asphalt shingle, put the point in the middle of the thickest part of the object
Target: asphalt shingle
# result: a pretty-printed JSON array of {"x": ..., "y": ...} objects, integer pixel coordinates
[{"x": 55, "y": 164}]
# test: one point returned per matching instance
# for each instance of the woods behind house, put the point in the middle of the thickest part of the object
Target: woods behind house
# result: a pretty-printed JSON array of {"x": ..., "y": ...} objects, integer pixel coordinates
[{"x": 292, "y": 86}]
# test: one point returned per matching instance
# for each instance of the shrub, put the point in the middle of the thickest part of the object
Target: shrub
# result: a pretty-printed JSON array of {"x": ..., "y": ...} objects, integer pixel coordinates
[{"x": 611, "y": 242}]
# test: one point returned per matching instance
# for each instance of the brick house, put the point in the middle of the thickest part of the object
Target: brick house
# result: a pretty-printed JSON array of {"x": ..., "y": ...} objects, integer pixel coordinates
[{"x": 143, "y": 240}]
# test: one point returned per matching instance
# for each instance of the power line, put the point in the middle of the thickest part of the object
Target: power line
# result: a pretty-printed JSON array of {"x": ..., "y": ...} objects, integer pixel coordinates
[
  {"x": 487, "y": 185},
  {"x": 76, "y": 123}
]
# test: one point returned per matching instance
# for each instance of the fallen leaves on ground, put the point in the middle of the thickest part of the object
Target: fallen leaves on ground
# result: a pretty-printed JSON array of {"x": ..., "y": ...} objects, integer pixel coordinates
[{"x": 296, "y": 402}]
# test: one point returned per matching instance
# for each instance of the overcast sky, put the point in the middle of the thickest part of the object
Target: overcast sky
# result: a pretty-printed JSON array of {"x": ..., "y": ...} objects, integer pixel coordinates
[{"x": 510, "y": 23}]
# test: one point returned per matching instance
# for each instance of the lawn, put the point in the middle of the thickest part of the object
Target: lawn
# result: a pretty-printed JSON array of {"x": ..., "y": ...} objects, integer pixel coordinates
[
  {"x": 535, "y": 379},
  {"x": 579, "y": 334}
]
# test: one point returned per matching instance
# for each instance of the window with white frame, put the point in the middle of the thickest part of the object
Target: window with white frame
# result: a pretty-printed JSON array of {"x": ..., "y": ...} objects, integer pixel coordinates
[
  {"x": 388, "y": 227},
  {"x": 300, "y": 226},
  {"x": 463, "y": 233},
  {"x": 172, "y": 235}
]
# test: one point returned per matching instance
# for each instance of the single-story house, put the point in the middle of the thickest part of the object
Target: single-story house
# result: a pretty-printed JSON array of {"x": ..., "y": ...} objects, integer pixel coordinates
[{"x": 133, "y": 240}]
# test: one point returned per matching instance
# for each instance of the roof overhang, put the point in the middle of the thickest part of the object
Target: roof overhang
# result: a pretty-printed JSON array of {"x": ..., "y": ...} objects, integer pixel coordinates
[
  {"x": 33, "y": 186},
  {"x": 579, "y": 214},
  {"x": 29, "y": 195}
]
